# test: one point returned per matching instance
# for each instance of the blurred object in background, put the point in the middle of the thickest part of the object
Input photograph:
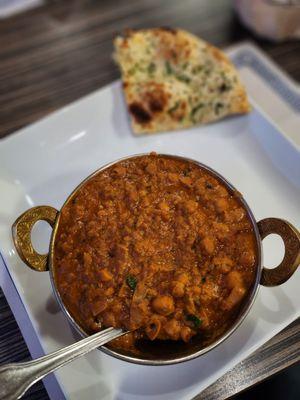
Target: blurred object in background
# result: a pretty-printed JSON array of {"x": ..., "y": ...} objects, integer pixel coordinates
[
  {"x": 10, "y": 7},
  {"x": 276, "y": 20}
]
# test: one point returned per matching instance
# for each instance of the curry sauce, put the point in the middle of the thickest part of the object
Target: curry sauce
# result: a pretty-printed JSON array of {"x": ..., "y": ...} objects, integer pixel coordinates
[{"x": 157, "y": 245}]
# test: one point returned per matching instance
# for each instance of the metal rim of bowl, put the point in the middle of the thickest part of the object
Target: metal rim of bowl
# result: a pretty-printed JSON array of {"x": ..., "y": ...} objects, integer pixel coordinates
[{"x": 243, "y": 312}]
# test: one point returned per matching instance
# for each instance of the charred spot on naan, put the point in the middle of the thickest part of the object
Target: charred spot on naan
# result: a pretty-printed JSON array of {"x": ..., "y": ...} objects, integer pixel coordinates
[
  {"x": 153, "y": 99},
  {"x": 140, "y": 114}
]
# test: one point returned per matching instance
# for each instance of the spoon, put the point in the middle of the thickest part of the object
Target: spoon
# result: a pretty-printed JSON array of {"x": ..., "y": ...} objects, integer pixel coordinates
[{"x": 16, "y": 378}]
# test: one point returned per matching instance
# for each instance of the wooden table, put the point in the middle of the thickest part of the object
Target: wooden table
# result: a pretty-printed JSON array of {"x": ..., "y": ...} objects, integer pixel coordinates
[{"x": 61, "y": 51}]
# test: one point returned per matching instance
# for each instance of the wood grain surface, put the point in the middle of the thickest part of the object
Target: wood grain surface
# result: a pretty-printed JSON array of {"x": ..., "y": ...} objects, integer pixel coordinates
[{"x": 61, "y": 51}]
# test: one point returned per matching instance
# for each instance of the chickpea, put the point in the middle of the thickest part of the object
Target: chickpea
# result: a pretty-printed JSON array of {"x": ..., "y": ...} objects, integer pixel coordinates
[
  {"x": 222, "y": 191},
  {"x": 234, "y": 279},
  {"x": 164, "y": 206},
  {"x": 224, "y": 264},
  {"x": 163, "y": 305},
  {"x": 186, "y": 333},
  {"x": 221, "y": 204},
  {"x": 172, "y": 329},
  {"x": 208, "y": 244},
  {"x": 209, "y": 292},
  {"x": 151, "y": 168},
  {"x": 200, "y": 186},
  {"x": 235, "y": 283},
  {"x": 178, "y": 289},
  {"x": 196, "y": 290},
  {"x": 221, "y": 230},
  {"x": 235, "y": 296},
  {"x": 184, "y": 278},
  {"x": 191, "y": 206}
]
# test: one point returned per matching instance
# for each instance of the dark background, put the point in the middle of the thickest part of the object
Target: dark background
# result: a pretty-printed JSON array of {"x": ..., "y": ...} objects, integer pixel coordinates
[{"x": 57, "y": 53}]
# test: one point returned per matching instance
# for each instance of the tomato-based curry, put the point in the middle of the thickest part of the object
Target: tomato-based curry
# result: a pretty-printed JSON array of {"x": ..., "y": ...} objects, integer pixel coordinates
[{"x": 157, "y": 245}]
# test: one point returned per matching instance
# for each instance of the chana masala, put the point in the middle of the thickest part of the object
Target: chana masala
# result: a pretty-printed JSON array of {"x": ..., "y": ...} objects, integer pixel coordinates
[{"x": 157, "y": 245}]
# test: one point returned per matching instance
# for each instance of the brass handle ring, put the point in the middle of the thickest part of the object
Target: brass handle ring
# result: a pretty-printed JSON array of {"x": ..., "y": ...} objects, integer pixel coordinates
[
  {"x": 291, "y": 260},
  {"x": 21, "y": 232}
]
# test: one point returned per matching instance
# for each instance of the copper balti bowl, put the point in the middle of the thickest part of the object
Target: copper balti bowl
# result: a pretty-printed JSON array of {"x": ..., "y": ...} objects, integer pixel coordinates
[{"x": 163, "y": 353}]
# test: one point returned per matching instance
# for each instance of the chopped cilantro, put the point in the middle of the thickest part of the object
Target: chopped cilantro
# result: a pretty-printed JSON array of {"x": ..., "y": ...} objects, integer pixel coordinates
[
  {"x": 197, "y": 69},
  {"x": 217, "y": 107},
  {"x": 132, "y": 70},
  {"x": 195, "y": 110},
  {"x": 169, "y": 69},
  {"x": 131, "y": 281},
  {"x": 174, "y": 108},
  {"x": 195, "y": 320},
  {"x": 186, "y": 172},
  {"x": 183, "y": 78},
  {"x": 151, "y": 68}
]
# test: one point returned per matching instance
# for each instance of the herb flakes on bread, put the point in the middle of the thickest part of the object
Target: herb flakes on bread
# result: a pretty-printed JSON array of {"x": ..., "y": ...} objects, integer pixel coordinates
[{"x": 174, "y": 80}]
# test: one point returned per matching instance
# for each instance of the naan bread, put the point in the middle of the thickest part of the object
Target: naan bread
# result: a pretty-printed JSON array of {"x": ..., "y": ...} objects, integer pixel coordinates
[{"x": 174, "y": 80}]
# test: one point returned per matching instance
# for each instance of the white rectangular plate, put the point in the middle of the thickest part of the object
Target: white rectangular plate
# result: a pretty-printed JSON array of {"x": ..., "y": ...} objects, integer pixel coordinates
[{"x": 42, "y": 164}]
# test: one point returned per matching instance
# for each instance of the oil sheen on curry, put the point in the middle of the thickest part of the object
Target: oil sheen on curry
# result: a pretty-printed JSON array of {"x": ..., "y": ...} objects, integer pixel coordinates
[{"x": 156, "y": 245}]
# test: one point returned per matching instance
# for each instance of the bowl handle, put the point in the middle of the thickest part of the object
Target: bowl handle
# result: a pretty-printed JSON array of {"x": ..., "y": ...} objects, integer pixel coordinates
[
  {"x": 291, "y": 260},
  {"x": 21, "y": 232}
]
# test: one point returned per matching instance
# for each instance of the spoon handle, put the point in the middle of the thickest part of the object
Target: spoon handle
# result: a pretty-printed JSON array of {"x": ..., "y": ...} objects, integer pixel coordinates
[{"x": 16, "y": 378}]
